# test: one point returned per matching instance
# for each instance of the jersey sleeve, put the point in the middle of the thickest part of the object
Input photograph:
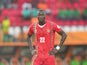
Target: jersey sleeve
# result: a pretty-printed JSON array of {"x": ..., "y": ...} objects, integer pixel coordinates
[
  {"x": 31, "y": 31},
  {"x": 56, "y": 27}
]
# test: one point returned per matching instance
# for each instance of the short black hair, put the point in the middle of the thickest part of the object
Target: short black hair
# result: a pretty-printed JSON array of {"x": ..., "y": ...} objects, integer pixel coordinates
[{"x": 42, "y": 11}]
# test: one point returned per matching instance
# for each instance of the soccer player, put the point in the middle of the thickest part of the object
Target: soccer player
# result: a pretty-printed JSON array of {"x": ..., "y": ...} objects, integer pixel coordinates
[{"x": 45, "y": 32}]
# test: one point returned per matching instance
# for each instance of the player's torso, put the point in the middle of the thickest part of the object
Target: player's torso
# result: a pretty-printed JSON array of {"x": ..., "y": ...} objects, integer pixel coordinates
[
  {"x": 44, "y": 37},
  {"x": 43, "y": 33}
]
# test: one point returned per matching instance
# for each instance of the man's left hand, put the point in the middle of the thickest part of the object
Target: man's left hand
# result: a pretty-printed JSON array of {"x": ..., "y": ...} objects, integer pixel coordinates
[{"x": 54, "y": 51}]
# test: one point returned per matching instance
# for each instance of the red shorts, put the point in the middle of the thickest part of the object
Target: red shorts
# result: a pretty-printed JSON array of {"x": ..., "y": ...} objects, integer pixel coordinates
[{"x": 49, "y": 60}]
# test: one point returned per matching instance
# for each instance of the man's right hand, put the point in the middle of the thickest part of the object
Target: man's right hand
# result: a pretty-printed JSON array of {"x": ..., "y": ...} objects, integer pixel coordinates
[
  {"x": 33, "y": 51},
  {"x": 53, "y": 51}
]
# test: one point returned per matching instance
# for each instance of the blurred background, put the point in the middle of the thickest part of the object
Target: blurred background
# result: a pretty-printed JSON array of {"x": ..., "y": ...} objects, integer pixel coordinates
[{"x": 16, "y": 17}]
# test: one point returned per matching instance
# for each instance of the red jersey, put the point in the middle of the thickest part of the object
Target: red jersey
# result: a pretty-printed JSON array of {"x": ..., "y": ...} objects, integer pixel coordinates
[{"x": 45, "y": 35}]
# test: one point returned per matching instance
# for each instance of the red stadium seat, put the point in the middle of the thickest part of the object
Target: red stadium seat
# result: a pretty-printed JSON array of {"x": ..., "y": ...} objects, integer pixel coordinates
[
  {"x": 69, "y": 5},
  {"x": 1, "y": 18},
  {"x": 81, "y": 22},
  {"x": 12, "y": 12},
  {"x": 19, "y": 12},
  {"x": 76, "y": 5},
  {"x": 54, "y": 11},
  {"x": 61, "y": 23},
  {"x": 5, "y": 12},
  {"x": 67, "y": 23},
  {"x": 74, "y": 22},
  {"x": 82, "y": 6},
  {"x": 12, "y": 19},
  {"x": 26, "y": 23},
  {"x": 15, "y": 20}
]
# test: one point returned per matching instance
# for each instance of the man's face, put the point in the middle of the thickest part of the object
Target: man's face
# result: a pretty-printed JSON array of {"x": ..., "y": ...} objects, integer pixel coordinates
[{"x": 41, "y": 16}]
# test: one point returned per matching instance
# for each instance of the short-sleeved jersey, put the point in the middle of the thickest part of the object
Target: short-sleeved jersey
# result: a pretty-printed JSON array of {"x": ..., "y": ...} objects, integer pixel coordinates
[{"x": 45, "y": 36}]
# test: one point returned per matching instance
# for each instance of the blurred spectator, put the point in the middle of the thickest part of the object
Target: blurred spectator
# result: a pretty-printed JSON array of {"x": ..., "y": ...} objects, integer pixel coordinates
[
  {"x": 25, "y": 61},
  {"x": 1, "y": 4},
  {"x": 62, "y": 14},
  {"x": 13, "y": 33},
  {"x": 69, "y": 14},
  {"x": 5, "y": 28},
  {"x": 42, "y": 5},
  {"x": 34, "y": 3},
  {"x": 13, "y": 4},
  {"x": 34, "y": 20},
  {"x": 21, "y": 36},
  {"x": 14, "y": 61},
  {"x": 48, "y": 11},
  {"x": 26, "y": 5},
  {"x": 5, "y": 61},
  {"x": 34, "y": 12},
  {"x": 76, "y": 14},
  {"x": 66, "y": 61},
  {"x": 84, "y": 14},
  {"x": 58, "y": 61},
  {"x": 84, "y": 61},
  {"x": 75, "y": 61},
  {"x": 1, "y": 63},
  {"x": 73, "y": 1},
  {"x": 6, "y": 3},
  {"x": 26, "y": 13},
  {"x": 26, "y": 10}
]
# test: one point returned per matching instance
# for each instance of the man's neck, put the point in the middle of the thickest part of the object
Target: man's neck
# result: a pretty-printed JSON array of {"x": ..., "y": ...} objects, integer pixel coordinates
[{"x": 42, "y": 23}]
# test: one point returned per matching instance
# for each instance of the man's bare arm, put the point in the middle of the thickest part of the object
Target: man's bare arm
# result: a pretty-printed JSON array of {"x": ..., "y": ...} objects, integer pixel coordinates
[
  {"x": 30, "y": 43},
  {"x": 63, "y": 37}
]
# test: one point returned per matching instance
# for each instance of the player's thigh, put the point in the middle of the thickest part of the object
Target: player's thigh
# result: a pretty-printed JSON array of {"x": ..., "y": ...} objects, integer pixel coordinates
[
  {"x": 50, "y": 60},
  {"x": 35, "y": 60}
]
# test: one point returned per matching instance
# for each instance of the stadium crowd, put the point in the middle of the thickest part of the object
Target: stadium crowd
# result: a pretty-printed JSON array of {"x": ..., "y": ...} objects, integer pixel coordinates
[{"x": 16, "y": 16}]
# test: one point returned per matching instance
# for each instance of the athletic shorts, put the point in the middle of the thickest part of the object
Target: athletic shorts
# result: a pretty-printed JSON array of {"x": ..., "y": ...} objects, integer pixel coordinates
[{"x": 46, "y": 60}]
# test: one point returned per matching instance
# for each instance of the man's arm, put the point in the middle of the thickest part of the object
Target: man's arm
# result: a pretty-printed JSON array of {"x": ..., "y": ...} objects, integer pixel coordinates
[
  {"x": 63, "y": 37},
  {"x": 31, "y": 48}
]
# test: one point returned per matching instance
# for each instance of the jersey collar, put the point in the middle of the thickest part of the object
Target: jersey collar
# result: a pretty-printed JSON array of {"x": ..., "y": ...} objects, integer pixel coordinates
[{"x": 41, "y": 26}]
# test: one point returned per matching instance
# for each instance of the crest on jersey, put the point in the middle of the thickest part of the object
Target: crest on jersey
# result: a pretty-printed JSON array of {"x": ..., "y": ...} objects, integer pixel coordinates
[{"x": 48, "y": 30}]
